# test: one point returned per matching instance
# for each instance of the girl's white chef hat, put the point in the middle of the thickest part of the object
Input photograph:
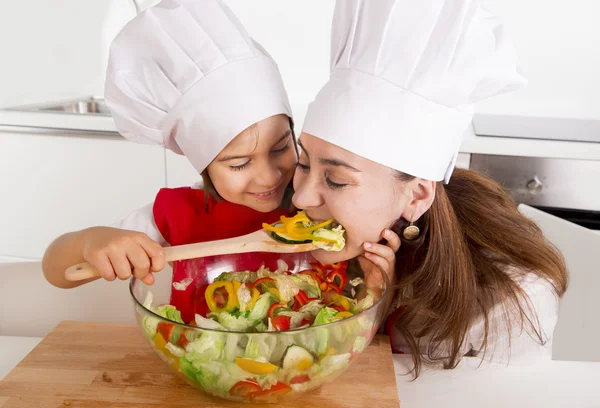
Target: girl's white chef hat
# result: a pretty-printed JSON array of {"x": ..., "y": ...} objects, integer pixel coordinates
[
  {"x": 186, "y": 75},
  {"x": 404, "y": 75}
]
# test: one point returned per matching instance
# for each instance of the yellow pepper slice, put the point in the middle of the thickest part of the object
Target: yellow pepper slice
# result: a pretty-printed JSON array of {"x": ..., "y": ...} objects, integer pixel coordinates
[
  {"x": 329, "y": 351},
  {"x": 255, "y": 295},
  {"x": 236, "y": 285},
  {"x": 231, "y": 297},
  {"x": 294, "y": 228},
  {"x": 255, "y": 367},
  {"x": 275, "y": 292},
  {"x": 342, "y": 301},
  {"x": 342, "y": 315}
]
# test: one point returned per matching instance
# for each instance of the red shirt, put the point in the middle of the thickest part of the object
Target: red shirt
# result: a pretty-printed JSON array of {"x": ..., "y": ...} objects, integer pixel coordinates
[{"x": 183, "y": 217}]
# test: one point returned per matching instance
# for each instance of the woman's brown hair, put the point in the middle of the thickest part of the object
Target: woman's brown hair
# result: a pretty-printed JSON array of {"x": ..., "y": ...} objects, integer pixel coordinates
[{"x": 458, "y": 268}]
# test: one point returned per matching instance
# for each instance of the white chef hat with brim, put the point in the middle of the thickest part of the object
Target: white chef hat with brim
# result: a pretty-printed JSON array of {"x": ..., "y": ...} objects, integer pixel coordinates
[
  {"x": 186, "y": 75},
  {"x": 404, "y": 77}
]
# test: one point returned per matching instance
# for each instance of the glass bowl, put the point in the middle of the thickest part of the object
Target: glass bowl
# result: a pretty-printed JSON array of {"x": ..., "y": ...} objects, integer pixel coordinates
[{"x": 253, "y": 366}]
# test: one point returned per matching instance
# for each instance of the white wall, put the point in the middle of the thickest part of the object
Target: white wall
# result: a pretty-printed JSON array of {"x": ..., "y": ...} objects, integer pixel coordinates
[
  {"x": 558, "y": 43},
  {"x": 54, "y": 48},
  {"x": 58, "y": 47}
]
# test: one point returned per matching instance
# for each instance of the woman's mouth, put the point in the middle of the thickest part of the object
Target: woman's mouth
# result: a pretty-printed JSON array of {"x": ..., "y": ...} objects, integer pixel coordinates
[{"x": 267, "y": 195}]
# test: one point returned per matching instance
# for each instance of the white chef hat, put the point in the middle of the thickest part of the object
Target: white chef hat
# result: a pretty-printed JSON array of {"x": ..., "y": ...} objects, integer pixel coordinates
[
  {"x": 404, "y": 74},
  {"x": 185, "y": 74}
]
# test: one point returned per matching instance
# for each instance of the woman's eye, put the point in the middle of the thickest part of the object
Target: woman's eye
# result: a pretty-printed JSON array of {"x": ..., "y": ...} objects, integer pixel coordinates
[
  {"x": 333, "y": 185},
  {"x": 239, "y": 167},
  {"x": 302, "y": 167}
]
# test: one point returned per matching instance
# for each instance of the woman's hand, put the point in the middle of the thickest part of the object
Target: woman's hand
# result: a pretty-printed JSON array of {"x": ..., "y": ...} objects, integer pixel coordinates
[{"x": 379, "y": 258}]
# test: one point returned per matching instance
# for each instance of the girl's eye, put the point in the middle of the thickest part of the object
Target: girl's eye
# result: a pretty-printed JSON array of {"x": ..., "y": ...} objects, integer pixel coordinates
[
  {"x": 240, "y": 167},
  {"x": 302, "y": 167},
  {"x": 334, "y": 186},
  {"x": 281, "y": 149}
]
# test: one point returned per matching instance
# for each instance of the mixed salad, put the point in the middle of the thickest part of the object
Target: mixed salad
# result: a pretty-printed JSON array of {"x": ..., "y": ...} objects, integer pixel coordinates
[
  {"x": 237, "y": 359},
  {"x": 299, "y": 229}
]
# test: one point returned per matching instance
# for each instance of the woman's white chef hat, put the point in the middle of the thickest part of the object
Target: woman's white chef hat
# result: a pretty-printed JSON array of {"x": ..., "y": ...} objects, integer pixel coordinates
[
  {"x": 404, "y": 76},
  {"x": 186, "y": 75}
]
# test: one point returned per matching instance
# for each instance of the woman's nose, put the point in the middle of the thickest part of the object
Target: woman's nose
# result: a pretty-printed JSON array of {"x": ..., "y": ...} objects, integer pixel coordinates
[{"x": 306, "y": 192}]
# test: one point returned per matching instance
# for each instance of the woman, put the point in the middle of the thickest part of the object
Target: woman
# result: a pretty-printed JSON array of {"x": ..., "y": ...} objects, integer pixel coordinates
[{"x": 474, "y": 277}]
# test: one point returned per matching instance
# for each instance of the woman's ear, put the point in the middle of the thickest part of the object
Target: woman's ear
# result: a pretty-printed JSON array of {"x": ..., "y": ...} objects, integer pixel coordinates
[{"x": 421, "y": 194}]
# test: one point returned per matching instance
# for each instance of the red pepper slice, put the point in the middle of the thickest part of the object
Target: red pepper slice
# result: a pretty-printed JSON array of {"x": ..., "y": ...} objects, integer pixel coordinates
[
  {"x": 338, "y": 267},
  {"x": 338, "y": 308},
  {"x": 320, "y": 269},
  {"x": 328, "y": 287},
  {"x": 165, "y": 330},
  {"x": 299, "y": 379},
  {"x": 301, "y": 298},
  {"x": 262, "y": 283},
  {"x": 247, "y": 389},
  {"x": 278, "y": 389},
  {"x": 281, "y": 323},
  {"x": 342, "y": 277},
  {"x": 277, "y": 308},
  {"x": 313, "y": 275}
]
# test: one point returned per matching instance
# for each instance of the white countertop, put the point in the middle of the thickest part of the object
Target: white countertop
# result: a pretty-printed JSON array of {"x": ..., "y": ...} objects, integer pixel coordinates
[
  {"x": 545, "y": 384},
  {"x": 471, "y": 143},
  {"x": 510, "y": 146}
]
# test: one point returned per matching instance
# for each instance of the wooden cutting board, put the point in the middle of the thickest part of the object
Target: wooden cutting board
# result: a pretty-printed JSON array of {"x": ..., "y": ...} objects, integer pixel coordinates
[{"x": 112, "y": 366}]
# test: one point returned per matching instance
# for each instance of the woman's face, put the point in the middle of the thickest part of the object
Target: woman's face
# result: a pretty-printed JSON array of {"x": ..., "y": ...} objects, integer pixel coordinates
[
  {"x": 255, "y": 168},
  {"x": 363, "y": 196}
]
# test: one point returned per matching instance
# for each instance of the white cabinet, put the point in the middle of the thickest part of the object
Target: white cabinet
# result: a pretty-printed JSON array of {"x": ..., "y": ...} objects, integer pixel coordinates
[
  {"x": 52, "y": 183},
  {"x": 180, "y": 171}
]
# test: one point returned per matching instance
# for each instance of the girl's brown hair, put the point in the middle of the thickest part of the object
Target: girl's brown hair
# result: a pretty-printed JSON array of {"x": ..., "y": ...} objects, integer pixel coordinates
[
  {"x": 209, "y": 187},
  {"x": 458, "y": 268}
]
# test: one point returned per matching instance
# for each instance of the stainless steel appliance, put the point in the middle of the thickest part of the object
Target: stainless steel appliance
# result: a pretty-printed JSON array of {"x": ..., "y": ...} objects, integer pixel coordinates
[
  {"x": 569, "y": 189},
  {"x": 537, "y": 128}
]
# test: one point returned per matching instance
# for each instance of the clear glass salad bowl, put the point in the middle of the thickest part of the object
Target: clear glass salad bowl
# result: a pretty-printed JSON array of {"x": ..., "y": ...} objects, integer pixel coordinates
[{"x": 267, "y": 362}]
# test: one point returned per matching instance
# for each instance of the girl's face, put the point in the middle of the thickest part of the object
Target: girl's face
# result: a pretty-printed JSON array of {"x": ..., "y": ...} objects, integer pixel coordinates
[
  {"x": 363, "y": 196},
  {"x": 255, "y": 168}
]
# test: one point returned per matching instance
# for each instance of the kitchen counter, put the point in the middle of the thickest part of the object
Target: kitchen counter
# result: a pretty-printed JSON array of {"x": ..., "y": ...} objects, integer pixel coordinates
[
  {"x": 545, "y": 384},
  {"x": 510, "y": 146},
  {"x": 471, "y": 144}
]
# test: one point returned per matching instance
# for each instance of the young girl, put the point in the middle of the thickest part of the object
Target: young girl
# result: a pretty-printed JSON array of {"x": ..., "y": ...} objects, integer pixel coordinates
[{"x": 185, "y": 75}]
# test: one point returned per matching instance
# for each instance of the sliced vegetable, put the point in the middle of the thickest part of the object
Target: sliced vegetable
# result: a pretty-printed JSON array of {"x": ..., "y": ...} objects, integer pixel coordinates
[
  {"x": 326, "y": 315},
  {"x": 220, "y": 296},
  {"x": 255, "y": 367},
  {"x": 339, "y": 278},
  {"x": 255, "y": 295},
  {"x": 245, "y": 389},
  {"x": 261, "y": 308},
  {"x": 278, "y": 389},
  {"x": 280, "y": 323},
  {"x": 278, "y": 233},
  {"x": 235, "y": 323},
  {"x": 277, "y": 308},
  {"x": 300, "y": 229},
  {"x": 244, "y": 296},
  {"x": 299, "y": 379},
  {"x": 297, "y": 358},
  {"x": 263, "y": 284}
]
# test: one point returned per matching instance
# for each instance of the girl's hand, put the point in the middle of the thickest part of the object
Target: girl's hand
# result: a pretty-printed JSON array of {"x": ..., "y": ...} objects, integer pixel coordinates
[
  {"x": 379, "y": 258},
  {"x": 118, "y": 253}
]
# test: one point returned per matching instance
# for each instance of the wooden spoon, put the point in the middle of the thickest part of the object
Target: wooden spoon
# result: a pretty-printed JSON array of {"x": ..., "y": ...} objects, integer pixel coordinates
[{"x": 259, "y": 241}]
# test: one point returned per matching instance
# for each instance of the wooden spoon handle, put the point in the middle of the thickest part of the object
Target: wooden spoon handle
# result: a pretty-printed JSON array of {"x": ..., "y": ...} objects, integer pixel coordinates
[{"x": 256, "y": 242}]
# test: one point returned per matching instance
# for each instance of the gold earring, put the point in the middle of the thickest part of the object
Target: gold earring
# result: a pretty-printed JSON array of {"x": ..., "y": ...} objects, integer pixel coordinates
[{"x": 411, "y": 232}]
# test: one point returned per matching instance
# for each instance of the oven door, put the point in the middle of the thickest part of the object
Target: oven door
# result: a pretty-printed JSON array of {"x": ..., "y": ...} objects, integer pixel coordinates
[{"x": 566, "y": 188}]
